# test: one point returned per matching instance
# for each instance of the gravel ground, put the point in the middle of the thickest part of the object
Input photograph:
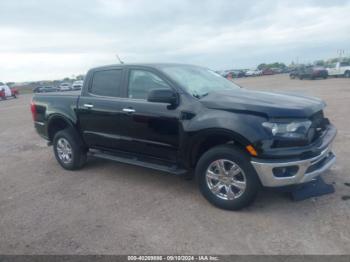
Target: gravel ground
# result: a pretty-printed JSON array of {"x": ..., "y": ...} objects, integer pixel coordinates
[{"x": 111, "y": 208}]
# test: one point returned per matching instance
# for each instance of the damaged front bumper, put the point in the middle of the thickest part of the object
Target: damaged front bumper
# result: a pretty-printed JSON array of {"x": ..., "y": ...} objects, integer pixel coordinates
[{"x": 278, "y": 173}]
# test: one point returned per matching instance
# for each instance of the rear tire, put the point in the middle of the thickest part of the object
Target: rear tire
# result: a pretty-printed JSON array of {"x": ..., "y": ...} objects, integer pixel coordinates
[
  {"x": 69, "y": 150},
  {"x": 235, "y": 183},
  {"x": 347, "y": 74}
]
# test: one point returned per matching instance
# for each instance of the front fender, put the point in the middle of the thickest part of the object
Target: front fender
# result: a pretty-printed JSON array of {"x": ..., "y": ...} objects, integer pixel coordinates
[
  {"x": 245, "y": 126},
  {"x": 243, "y": 129}
]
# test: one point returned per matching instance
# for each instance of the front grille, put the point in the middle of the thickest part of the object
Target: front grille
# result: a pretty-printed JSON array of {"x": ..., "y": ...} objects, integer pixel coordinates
[
  {"x": 318, "y": 126},
  {"x": 317, "y": 118}
]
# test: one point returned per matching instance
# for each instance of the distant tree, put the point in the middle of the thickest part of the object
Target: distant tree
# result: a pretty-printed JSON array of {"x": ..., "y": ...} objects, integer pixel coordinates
[
  {"x": 333, "y": 60},
  {"x": 272, "y": 65},
  {"x": 80, "y": 77},
  {"x": 319, "y": 63},
  {"x": 262, "y": 66},
  {"x": 346, "y": 59}
]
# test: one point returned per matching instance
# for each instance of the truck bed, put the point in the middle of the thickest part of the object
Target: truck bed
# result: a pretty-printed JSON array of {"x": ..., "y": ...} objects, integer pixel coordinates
[{"x": 62, "y": 103}]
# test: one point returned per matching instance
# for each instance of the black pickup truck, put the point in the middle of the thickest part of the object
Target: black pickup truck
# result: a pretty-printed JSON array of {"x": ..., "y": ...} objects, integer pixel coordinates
[{"x": 186, "y": 119}]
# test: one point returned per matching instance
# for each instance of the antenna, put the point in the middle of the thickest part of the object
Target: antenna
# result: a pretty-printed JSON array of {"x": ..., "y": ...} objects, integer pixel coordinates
[{"x": 120, "y": 61}]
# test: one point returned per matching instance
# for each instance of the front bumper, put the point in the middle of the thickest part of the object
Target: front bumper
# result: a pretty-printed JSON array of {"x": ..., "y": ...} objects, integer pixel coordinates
[{"x": 278, "y": 173}]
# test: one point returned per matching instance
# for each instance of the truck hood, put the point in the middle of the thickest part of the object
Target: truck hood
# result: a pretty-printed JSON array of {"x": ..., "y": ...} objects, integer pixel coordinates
[{"x": 268, "y": 104}]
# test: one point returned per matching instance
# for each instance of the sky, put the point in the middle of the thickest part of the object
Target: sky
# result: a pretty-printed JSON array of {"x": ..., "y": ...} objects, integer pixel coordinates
[{"x": 46, "y": 39}]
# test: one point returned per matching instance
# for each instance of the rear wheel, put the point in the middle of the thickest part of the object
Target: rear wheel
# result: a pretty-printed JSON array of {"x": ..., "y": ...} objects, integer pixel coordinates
[
  {"x": 347, "y": 74},
  {"x": 226, "y": 178},
  {"x": 68, "y": 149}
]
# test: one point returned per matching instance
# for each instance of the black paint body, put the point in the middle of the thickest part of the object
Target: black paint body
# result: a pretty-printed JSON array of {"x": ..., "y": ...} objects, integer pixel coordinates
[{"x": 176, "y": 134}]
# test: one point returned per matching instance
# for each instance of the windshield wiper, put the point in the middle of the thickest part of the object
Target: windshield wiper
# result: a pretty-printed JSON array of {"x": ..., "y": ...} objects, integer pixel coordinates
[{"x": 200, "y": 96}]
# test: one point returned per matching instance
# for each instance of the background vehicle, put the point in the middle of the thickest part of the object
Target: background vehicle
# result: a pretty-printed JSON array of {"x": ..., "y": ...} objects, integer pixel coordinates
[
  {"x": 277, "y": 70},
  {"x": 339, "y": 69},
  {"x": 6, "y": 91},
  {"x": 77, "y": 85},
  {"x": 179, "y": 119},
  {"x": 45, "y": 89},
  {"x": 253, "y": 72},
  {"x": 268, "y": 71},
  {"x": 65, "y": 87},
  {"x": 36, "y": 89},
  {"x": 309, "y": 72},
  {"x": 235, "y": 73}
]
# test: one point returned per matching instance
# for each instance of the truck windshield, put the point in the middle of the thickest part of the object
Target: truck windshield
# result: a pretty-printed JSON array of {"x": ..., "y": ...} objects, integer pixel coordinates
[{"x": 198, "y": 81}]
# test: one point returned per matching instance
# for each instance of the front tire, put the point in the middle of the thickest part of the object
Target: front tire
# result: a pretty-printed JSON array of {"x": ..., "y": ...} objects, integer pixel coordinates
[
  {"x": 226, "y": 178},
  {"x": 68, "y": 149}
]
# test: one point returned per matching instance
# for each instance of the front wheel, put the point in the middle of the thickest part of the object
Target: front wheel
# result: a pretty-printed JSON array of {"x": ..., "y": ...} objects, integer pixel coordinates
[
  {"x": 68, "y": 149},
  {"x": 226, "y": 178}
]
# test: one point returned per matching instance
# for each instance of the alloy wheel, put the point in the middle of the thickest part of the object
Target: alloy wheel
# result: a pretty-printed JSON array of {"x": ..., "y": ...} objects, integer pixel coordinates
[
  {"x": 64, "y": 150},
  {"x": 226, "y": 179}
]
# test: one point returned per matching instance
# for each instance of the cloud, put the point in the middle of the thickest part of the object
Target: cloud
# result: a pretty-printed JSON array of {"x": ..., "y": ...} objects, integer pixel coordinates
[{"x": 53, "y": 39}]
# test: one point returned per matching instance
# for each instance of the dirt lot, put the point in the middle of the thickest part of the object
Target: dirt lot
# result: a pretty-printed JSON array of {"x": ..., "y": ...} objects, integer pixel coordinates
[{"x": 111, "y": 208}]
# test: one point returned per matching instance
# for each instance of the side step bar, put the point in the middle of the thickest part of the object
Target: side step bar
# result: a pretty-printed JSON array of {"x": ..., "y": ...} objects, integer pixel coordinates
[{"x": 134, "y": 160}]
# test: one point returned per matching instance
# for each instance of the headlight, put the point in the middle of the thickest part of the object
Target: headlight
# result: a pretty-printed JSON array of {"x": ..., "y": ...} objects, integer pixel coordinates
[{"x": 295, "y": 129}]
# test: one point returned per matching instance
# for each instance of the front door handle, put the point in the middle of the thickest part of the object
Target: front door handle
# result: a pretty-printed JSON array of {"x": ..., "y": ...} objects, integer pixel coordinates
[
  {"x": 128, "y": 110},
  {"x": 88, "y": 105}
]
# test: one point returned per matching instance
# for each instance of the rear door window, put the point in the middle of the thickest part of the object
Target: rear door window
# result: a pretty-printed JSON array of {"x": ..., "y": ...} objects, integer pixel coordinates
[{"x": 107, "y": 83}]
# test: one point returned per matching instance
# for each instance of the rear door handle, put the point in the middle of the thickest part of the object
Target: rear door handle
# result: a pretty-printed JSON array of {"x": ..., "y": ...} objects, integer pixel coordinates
[
  {"x": 88, "y": 105},
  {"x": 128, "y": 110}
]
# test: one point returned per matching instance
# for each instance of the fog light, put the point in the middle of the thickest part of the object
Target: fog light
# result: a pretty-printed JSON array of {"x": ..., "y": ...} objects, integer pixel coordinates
[{"x": 286, "y": 171}]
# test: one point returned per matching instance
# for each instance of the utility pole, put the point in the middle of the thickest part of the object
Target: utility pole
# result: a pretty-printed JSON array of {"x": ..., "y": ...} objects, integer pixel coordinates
[{"x": 340, "y": 53}]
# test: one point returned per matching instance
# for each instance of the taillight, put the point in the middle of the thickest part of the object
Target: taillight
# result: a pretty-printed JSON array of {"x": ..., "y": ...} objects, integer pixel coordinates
[{"x": 33, "y": 110}]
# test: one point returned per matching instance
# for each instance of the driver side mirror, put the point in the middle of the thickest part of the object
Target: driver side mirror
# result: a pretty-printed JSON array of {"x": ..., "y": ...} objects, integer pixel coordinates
[{"x": 162, "y": 95}]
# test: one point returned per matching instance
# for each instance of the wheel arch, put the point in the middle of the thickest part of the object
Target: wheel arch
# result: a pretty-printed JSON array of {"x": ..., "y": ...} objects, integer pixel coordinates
[
  {"x": 56, "y": 123},
  {"x": 210, "y": 138}
]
